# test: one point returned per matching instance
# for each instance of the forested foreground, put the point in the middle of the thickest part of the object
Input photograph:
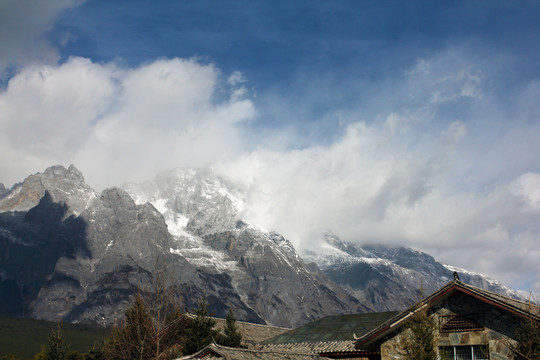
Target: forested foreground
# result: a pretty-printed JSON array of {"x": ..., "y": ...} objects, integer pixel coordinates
[
  {"x": 152, "y": 328},
  {"x": 24, "y": 337}
]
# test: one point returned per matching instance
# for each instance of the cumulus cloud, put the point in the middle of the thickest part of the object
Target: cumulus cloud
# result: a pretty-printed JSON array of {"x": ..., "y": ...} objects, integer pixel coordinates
[
  {"x": 354, "y": 185},
  {"x": 117, "y": 124}
]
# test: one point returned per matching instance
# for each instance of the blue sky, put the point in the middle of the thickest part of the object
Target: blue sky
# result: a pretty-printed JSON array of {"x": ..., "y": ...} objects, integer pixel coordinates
[
  {"x": 401, "y": 122},
  {"x": 284, "y": 46}
]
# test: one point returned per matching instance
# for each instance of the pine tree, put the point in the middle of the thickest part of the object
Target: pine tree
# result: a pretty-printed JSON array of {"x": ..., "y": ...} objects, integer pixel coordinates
[
  {"x": 420, "y": 342},
  {"x": 233, "y": 337},
  {"x": 200, "y": 332},
  {"x": 56, "y": 349}
]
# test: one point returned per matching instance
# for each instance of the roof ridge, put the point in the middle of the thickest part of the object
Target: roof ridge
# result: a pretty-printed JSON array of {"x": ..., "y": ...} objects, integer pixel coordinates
[
  {"x": 256, "y": 350},
  {"x": 497, "y": 294},
  {"x": 254, "y": 324},
  {"x": 309, "y": 342},
  {"x": 500, "y": 297}
]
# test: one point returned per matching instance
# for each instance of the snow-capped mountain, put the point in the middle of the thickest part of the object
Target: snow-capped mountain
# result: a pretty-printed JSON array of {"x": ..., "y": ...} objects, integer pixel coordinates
[
  {"x": 68, "y": 252},
  {"x": 201, "y": 212},
  {"x": 390, "y": 278},
  {"x": 73, "y": 254}
]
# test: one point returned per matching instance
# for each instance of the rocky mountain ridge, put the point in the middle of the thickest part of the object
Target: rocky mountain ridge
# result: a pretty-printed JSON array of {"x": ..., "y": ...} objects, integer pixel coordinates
[
  {"x": 201, "y": 212},
  {"x": 389, "y": 278},
  {"x": 70, "y": 253}
]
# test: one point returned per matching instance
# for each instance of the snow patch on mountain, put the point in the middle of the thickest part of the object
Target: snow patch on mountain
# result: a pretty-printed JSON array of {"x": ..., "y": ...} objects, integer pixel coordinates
[
  {"x": 205, "y": 257},
  {"x": 487, "y": 282}
]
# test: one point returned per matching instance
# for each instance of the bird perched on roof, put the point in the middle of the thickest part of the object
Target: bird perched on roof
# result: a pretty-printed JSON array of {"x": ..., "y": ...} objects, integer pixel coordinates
[{"x": 456, "y": 276}]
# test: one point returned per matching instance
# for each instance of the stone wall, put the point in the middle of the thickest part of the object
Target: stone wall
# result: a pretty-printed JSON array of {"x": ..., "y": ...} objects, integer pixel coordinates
[{"x": 499, "y": 327}]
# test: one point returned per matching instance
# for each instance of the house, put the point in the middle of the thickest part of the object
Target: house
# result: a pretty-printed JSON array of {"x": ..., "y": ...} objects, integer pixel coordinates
[
  {"x": 472, "y": 324},
  {"x": 330, "y": 337}
]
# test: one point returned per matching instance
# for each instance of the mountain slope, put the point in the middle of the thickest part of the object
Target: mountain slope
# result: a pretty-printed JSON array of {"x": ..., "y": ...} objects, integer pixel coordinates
[
  {"x": 266, "y": 271},
  {"x": 389, "y": 278},
  {"x": 78, "y": 256}
]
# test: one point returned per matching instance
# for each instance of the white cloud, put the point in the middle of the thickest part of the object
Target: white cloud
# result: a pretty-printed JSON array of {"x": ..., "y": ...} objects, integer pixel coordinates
[
  {"x": 527, "y": 187},
  {"x": 367, "y": 190},
  {"x": 354, "y": 185},
  {"x": 48, "y": 110},
  {"x": 236, "y": 78},
  {"x": 456, "y": 131},
  {"x": 115, "y": 124},
  {"x": 448, "y": 76},
  {"x": 462, "y": 190}
]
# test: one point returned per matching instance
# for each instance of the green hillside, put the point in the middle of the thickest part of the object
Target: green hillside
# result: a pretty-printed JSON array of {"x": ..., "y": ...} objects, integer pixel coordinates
[{"x": 24, "y": 337}]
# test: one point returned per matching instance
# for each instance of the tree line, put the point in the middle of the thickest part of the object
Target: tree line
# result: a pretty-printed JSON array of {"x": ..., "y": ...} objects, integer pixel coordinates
[{"x": 153, "y": 328}]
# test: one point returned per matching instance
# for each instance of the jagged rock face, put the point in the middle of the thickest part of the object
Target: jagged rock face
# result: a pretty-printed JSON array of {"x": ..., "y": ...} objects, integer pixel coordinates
[
  {"x": 89, "y": 252},
  {"x": 31, "y": 243},
  {"x": 80, "y": 259},
  {"x": 275, "y": 282},
  {"x": 63, "y": 185}
]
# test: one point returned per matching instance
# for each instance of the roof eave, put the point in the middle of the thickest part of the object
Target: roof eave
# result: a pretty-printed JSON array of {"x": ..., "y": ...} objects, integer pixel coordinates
[{"x": 436, "y": 297}]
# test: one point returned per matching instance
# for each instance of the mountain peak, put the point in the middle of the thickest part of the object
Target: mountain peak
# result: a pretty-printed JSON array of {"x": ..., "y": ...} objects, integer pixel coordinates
[
  {"x": 60, "y": 172},
  {"x": 64, "y": 185}
]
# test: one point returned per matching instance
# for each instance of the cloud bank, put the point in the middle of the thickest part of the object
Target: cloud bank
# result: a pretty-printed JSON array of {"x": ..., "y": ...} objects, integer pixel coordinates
[
  {"x": 446, "y": 168},
  {"x": 447, "y": 165}
]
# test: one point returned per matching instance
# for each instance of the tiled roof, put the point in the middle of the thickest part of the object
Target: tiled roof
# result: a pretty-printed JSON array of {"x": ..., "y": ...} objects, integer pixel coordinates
[
  {"x": 214, "y": 351},
  {"x": 519, "y": 308},
  {"x": 333, "y": 328},
  {"x": 312, "y": 347}
]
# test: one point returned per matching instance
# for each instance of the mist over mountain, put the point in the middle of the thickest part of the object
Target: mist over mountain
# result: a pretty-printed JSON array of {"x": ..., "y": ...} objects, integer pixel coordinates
[
  {"x": 70, "y": 253},
  {"x": 390, "y": 278}
]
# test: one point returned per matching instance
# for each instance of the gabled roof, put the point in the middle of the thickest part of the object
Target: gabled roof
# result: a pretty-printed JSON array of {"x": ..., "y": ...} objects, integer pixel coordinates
[
  {"x": 519, "y": 308},
  {"x": 335, "y": 328},
  {"x": 214, "y": 351}
]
